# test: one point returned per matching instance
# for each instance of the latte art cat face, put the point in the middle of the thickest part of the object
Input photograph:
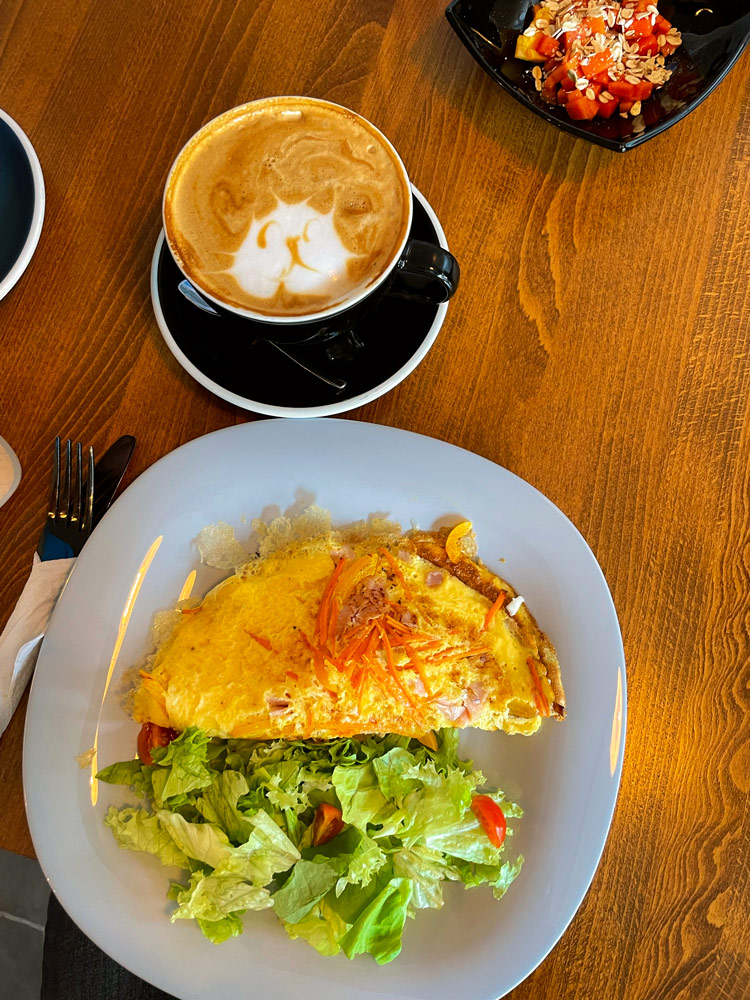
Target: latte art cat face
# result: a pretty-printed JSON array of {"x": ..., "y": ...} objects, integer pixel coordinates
[
  {"x": 287, "y": 207},
  {"x": 294, "y": 247}
]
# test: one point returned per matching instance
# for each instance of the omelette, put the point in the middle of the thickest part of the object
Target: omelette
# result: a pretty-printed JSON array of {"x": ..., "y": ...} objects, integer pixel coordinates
[{"x": 339, "y": 635}]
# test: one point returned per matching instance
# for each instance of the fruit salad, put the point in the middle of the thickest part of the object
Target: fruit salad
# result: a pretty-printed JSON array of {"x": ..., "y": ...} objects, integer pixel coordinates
[{"x": 598, "y": 58}]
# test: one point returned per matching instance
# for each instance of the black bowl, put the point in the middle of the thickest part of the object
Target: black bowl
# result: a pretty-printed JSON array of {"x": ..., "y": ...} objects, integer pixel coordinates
[{"x": 713, "y": 38}]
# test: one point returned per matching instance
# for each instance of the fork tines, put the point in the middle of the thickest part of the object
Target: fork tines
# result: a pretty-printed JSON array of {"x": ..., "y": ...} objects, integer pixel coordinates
[{"x": 71, "y": 501}]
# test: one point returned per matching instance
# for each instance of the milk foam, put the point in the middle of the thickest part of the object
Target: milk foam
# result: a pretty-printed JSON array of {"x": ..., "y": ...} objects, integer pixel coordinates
[{"x": 293, "y": 248}]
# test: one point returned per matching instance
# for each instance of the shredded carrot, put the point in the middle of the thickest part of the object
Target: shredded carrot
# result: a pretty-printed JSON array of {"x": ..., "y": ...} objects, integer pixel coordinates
[
  {"x": 318, "y": 664},
  {"x": 333, "y": 619},
  {"x": 333, "y": 664},
  {"x": 322, "y": 674},
  {"x": 498, "y": 603},
  {"x": 399, "y": 639},
  {"x": 380, "y": 677},
  {"x": 419, "y": 667},
  {"x": 539, "y": 697},
  {"x": 540, "y": 703},
  {"x": 436, "y": 661},
  {"x": 407, "y": 629},
  {"x": 339, "y": 584},
  {"x": 351, "y": 653},
  {"x": 261, "y": 639},
  {"x": 363, "y": 649},
  {"x": 372, "y": 643},
  {"x": 456, "y": 653},
  {"x": 392, "y": 666},
  {"x": 428, "y": 644},
  {"x": 191, "y": 611},
  {"x": 322, "y": 622},
  {"x": 384, "y": 681},
  {"x": 291, "y": 673},
  {"x": 395, "y": 567},
  {"x": 445, "y": 656}
]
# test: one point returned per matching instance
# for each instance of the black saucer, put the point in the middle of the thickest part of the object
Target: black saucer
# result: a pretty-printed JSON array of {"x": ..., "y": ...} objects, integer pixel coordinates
[{"x": 228, "y": 357}]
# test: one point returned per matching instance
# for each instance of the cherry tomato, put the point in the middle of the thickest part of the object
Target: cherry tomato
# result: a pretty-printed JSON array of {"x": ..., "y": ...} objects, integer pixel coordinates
[
  {"x": 492, "y": 818},
  {"x": 152, "y": 736},
  {"x": 327, "y": 824}
]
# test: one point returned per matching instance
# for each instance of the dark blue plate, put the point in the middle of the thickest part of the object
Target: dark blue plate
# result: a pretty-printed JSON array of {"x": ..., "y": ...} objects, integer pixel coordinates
[
  {"x": 714, "y": 35},
  {"x": 21, "y": 202}
]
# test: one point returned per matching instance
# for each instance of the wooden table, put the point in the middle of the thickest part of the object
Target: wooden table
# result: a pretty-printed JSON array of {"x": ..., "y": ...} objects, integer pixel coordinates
[{"x": 598, "y": 347}]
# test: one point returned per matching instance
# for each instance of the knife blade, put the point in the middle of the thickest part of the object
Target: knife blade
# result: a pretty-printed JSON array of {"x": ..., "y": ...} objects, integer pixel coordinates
[{"x": 108, "y": 473}]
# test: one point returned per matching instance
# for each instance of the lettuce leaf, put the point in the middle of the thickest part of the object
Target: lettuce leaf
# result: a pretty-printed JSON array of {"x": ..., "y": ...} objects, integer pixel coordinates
[
  {"x": 362, "y": 801},
  {"x": 378, "y": 929},
  {"x": 427, "y": 869},
  {"x": 202, "y": 841},
  {"x": 186, "y": 758},
  {"x": 321, "y": 928},
  {"x": 219, "y": 931},
  {"x": 139, "y": 830},
  {"x": 265, "y": 853},
  {"x": 213, "y": 897},
  {"x": 464, "y": 839},
  {"x": 364, "y": 863},
  {"x": 128, "y": 772},
  {"x": 218, "y": 805},
  {"x": 499, "y": 876},
  {"x": 305, "y": 887}
]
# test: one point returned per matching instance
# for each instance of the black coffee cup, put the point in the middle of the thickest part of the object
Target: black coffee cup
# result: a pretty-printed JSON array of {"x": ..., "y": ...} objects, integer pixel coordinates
[
  {"x": 417, "y": 270},
  {"x": 424, "y": 273}
]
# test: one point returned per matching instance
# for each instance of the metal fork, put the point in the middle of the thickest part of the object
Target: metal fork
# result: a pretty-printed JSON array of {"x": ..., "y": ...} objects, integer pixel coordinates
[{"x": 71, "y": 503}]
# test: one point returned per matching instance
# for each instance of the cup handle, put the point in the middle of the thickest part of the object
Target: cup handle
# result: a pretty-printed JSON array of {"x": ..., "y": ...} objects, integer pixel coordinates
[{"x": 425, "y": 272}]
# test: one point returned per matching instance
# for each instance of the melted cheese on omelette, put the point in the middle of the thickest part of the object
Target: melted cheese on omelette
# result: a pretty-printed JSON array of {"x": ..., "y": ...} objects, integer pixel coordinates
[{"x": 323, "y": 639}]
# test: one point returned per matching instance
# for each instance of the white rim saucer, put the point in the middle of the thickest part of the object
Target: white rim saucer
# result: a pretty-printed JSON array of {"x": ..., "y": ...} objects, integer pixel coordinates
[
  {"x": 328, "y": 409},
  {"x": 37, "y": 218}
]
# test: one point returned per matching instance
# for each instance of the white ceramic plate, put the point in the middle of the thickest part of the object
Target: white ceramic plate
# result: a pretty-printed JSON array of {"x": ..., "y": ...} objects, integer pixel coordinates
[{"x": 566, "y": 776}]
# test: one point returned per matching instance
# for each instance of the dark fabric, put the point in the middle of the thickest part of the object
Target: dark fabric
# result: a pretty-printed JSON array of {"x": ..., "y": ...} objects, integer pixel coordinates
[{"x": 75, "y": 969}]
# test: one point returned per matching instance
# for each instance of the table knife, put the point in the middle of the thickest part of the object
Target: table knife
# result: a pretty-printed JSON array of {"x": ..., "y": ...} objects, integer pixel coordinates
[{"x": 108, "y": 473}]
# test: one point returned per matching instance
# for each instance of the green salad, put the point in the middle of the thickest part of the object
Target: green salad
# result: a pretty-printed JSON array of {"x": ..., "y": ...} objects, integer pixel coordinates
[{"x": 343, "y": 838}]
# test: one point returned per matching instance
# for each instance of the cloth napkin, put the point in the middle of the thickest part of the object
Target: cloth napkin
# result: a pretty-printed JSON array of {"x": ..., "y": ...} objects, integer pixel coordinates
[{"x": 22, "y": 636}]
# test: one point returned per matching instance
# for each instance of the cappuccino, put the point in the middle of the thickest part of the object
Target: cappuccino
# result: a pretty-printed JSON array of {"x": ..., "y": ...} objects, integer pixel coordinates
[{"x": 287, "y": 207}]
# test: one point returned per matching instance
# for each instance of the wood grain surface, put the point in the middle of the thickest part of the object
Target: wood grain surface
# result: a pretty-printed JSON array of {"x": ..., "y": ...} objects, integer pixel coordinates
[{"x": 598, "y": 347}]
